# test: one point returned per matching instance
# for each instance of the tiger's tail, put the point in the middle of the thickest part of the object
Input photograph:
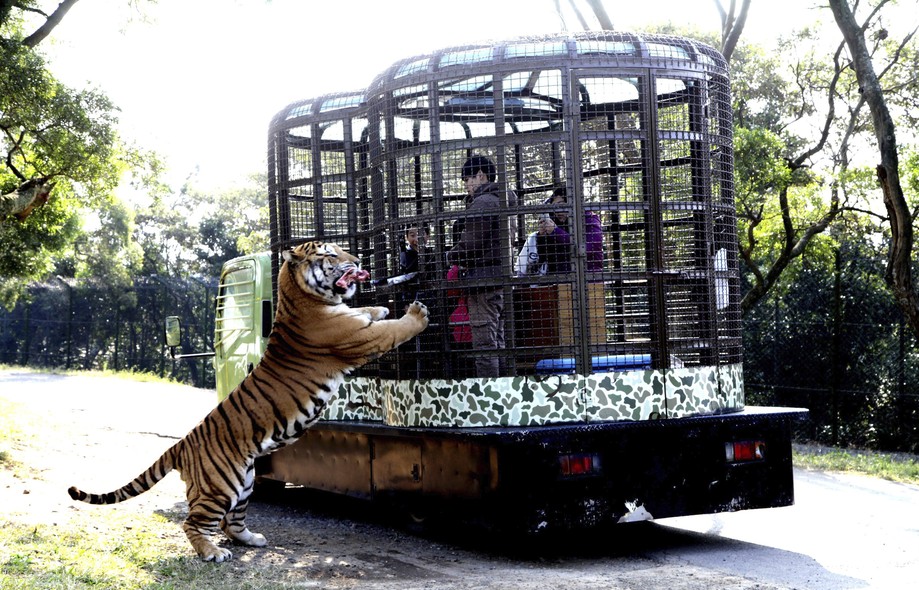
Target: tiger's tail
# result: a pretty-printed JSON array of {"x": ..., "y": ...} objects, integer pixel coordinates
[{"x": 135, "y": 487}]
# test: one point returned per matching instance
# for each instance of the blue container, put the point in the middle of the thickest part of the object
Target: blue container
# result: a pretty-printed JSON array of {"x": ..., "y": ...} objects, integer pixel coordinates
[{"x": 599, "y": 364}]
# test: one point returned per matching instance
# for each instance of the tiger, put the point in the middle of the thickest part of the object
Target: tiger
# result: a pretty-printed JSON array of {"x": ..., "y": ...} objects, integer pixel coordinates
[{"x": 315, "y": 340}]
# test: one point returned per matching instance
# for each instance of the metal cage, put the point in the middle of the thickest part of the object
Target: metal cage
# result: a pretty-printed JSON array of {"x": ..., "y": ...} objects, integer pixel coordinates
[{"x": 636, "y": 129}]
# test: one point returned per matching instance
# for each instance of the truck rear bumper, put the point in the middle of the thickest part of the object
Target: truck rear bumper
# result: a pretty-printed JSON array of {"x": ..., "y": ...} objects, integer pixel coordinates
[{"x": 551, "y": 477}]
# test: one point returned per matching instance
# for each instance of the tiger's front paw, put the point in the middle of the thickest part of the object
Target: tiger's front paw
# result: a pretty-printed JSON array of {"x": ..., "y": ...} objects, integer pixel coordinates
[{"x": 420, "y": 311}]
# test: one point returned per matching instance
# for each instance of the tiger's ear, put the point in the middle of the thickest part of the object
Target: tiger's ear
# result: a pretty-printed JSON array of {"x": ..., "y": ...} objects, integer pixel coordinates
[{"x": 290, "y": 256}]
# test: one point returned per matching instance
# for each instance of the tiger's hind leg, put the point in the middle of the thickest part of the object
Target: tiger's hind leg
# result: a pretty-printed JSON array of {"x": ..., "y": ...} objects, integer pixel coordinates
[
  {"x": 201, "y": 522},
  {"x": 234, "y": 523}
]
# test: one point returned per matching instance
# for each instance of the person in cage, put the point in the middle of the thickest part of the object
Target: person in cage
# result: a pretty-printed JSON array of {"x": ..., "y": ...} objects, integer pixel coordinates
[
  {"x": 414, "y": 257},
  {"x": 593, "y": 229},
  {"x": 546, "y": 251},
  {"x": 477, "y": 253},
  {"x": 415, "y": 242}
]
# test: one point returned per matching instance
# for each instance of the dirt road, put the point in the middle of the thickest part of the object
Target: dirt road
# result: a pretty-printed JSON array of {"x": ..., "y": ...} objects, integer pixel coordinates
[{"x": 845, "y": 532}]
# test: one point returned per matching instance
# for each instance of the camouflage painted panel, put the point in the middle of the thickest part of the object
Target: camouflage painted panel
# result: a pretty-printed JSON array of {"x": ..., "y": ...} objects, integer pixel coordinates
[
  {"x": 358, "y": 399},
  {"x": 630, "y": 395},
  {"x": 529, "y": 401},
  {"x": 506, "y": 401}
]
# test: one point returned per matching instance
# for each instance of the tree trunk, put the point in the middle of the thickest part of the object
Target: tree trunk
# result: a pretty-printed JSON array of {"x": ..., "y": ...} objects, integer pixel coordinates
[
  {"x": 899, "y": 272},
  {"x": 731, "y": 25}
]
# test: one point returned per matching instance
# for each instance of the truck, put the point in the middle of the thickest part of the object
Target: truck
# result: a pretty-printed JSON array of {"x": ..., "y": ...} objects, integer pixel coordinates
[{"x": 621, "y": 392}]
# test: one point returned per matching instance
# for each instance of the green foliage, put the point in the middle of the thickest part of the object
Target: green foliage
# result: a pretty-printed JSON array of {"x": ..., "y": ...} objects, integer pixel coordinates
[
  {"x": 759, "y": 163},
  {"x": 235, "y": 223},
  {"x": 909, "y": 169},
  {"x": 760, "y": 92},
  {"x": 195, "y": 232},
  {"x": 30, "y": 246},
  {"x": 48, "y": 130},
  {"x": 108, "y": 253},
  {"x": 828, "y": 340}
]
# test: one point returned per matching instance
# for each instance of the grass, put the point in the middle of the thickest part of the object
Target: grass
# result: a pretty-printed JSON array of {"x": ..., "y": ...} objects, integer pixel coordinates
[
  {"x": 9, "y": 431},
  {"x": 132, "y": 375},
  {"x": 117, "y": 551},
  {"x": 899, "y": 467}
]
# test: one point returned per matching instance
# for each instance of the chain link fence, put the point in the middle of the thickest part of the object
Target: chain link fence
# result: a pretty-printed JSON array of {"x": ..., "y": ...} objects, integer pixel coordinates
[
  {"x": 836, "y": 344},
  {"x": 74, "y": 324}
]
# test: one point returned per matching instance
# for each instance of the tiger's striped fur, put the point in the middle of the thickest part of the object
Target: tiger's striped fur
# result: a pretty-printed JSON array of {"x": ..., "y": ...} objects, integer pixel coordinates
[{"x": 316, "y": 339}]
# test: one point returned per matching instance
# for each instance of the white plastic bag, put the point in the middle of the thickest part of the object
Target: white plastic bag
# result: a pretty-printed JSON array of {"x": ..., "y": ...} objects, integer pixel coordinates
[{"x": 528, "y": 259}]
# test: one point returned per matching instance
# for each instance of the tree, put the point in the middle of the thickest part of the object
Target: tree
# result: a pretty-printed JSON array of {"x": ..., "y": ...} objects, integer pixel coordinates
[
  {"x": 60, "y": 154},
  {"x": 194, "y": 232},
  {"x": 20, "y": 202},
  {"x": 899, "y": 265},
  {"x": 236, "y": 223},
  {"x": 33, "y": 192}
]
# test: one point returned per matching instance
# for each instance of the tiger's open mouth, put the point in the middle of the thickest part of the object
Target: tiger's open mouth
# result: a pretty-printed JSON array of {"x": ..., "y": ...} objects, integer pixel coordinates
[{"x": 352, "y": 275}]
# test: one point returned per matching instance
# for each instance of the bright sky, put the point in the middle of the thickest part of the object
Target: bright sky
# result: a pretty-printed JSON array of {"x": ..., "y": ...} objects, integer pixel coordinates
[{"x": 200, "y": 81}]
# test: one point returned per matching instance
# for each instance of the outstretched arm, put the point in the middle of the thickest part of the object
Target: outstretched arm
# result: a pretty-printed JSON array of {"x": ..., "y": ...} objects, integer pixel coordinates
[{"x": 378, "y": 337}]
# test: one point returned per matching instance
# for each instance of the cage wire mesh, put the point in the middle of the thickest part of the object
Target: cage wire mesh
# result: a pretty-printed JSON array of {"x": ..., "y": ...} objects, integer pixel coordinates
[{"x": 600, "y": 234}]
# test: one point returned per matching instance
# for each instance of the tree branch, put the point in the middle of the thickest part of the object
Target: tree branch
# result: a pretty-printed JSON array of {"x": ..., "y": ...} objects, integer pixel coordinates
[
  {"x": 731, "y": 27},
  {"x": 577, "y": 12},
  {"x": 53, "y": 20},
  {"x": 600, "y": 12}
]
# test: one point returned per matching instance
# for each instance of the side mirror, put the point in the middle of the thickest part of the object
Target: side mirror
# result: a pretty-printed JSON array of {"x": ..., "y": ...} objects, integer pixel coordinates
[{"x": 173, "y": 331}]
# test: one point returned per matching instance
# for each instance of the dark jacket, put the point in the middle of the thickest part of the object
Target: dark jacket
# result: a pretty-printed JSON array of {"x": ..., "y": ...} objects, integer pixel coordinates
[
  {"x": 555, "y": 251},
  {"x": 479, "y": 247}
]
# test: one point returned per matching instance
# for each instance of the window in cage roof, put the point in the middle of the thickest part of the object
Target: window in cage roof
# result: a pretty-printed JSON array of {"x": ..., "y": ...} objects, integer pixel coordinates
[
  {"x": 467, "y": 56},
  {"x": 667, "y": 50},
  {"x": 417, "y": 90},
  {"x": 482, "y": 101},
  {"x": 517, "y": 81},
  {"x": 536, "y": 49},
  {"x": 415, "y": 102},
  {"x": 412, "y": 67},
  {"x": 341, "y": 102},
  {"x": 705, "y": 58},
  {"x": 595, "y": 46},
  {"x": 670, "y": 85},
  {"x": 549, "y": 83},
  {"x": 411, "y": 130},
  {"x": 300, "y": 110}
]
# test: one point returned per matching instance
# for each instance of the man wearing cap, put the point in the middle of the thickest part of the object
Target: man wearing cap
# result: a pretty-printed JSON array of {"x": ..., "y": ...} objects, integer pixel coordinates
[{"x": 478, "y": 251}]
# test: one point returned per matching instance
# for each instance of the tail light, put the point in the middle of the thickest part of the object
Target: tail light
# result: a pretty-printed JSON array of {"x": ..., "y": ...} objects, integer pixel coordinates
[
  {"x": 575, "y": 464},
  {"x": 744, "y": 451}
]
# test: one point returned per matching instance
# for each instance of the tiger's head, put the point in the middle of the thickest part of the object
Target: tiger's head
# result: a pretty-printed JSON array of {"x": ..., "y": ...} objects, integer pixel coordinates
[{"x": 324, "y": 270}]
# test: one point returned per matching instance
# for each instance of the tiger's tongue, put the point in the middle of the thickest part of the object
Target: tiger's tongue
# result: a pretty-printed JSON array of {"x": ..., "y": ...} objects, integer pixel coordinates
[{"x": 352, "y": 275}]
